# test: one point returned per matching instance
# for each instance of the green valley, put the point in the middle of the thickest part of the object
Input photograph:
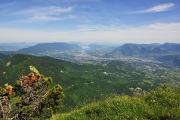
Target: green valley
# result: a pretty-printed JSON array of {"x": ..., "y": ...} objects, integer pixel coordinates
[{"x": 87, "y": 82}]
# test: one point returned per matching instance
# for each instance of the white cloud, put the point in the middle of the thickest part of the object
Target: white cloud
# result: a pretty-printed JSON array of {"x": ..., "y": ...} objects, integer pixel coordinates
[
  {"x": 158, "y": 8},
  {"x": 152, "y": 33},
  {"x": 49, "y": 10},
  {"x": 44, "y": 18},
  {"x": 50, "y": 13},
  {"x": 37, "y": 18}
]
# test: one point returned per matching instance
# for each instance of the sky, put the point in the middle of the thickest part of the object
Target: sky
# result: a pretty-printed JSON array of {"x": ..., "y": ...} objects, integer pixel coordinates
[{"x": 101, "y": 21}]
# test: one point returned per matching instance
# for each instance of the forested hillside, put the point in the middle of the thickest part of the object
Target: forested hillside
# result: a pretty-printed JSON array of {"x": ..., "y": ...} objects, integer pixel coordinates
[{"x": 88, "y": 82}]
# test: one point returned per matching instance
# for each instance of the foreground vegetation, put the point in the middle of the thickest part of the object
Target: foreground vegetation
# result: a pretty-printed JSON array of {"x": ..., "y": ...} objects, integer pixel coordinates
[
  {"x": 160, "y": 104},
  {"x": 32, "y": 97}
]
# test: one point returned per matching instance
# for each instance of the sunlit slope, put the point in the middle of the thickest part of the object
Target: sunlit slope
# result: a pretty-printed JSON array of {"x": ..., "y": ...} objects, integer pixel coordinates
[{"x": 160, "y": 104}]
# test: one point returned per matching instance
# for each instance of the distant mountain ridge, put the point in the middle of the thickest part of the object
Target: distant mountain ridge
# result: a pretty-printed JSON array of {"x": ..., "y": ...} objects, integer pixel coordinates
[
  {"x": 8, "y": 47},
  {"x": 168, "y": 53},
  {"x": 144, "y": 50},
  {"x": 45, "y": 48}
]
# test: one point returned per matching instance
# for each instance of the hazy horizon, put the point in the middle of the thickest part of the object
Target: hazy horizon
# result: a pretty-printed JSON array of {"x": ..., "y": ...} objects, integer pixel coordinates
[{"x": 79, "y": 43}]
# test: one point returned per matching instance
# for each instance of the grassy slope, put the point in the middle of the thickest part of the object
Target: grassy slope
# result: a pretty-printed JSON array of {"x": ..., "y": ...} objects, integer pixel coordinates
[{"x": 161, "y": 104}]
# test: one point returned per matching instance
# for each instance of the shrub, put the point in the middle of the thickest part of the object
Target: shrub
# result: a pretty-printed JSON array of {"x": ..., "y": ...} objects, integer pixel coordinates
[{"x": 34, "y": 97}]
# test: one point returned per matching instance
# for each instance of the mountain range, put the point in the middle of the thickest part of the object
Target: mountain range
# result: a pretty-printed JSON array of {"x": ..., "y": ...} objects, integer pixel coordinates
[
  {"x": 47, "y": 48},
  {"x": 144, "y": 50},
  {"x": 167, "y": 53}
]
